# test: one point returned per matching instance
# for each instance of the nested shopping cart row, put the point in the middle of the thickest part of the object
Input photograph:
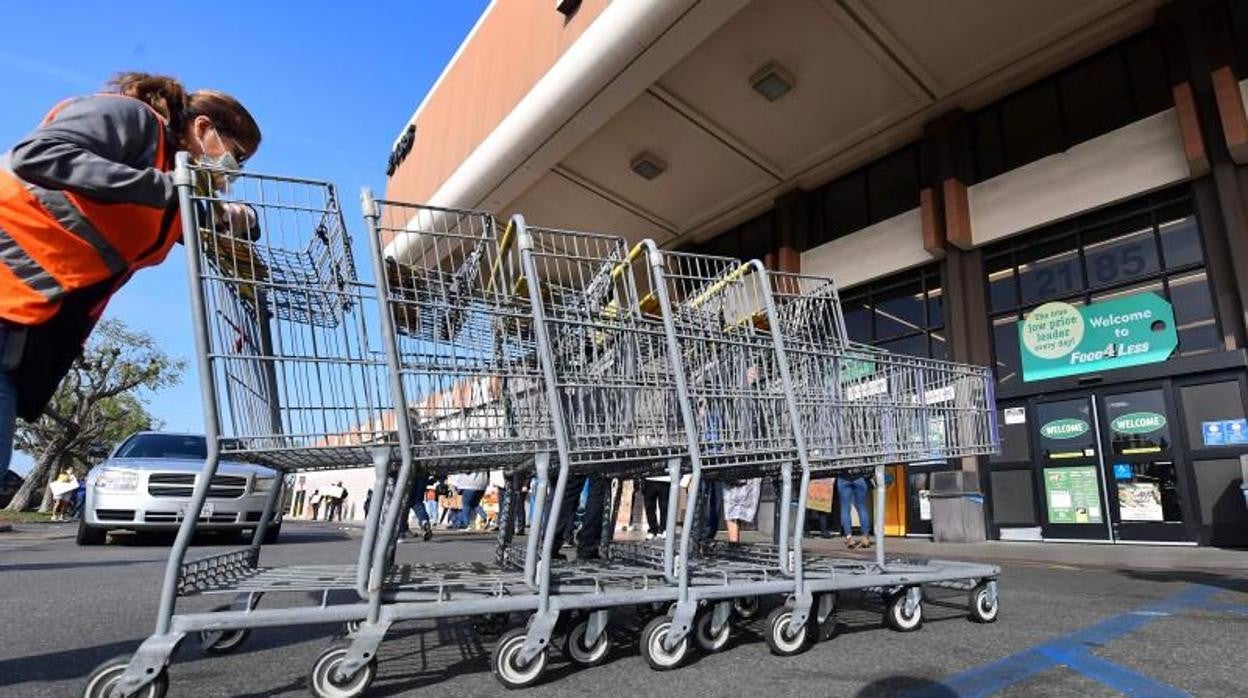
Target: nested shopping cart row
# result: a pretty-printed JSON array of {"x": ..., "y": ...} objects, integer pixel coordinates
[{"x": 549, "y": 353}]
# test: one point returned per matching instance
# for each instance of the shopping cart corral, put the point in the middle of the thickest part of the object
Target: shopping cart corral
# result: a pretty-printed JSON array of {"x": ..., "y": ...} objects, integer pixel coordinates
[{"x": 555, "y": 354}]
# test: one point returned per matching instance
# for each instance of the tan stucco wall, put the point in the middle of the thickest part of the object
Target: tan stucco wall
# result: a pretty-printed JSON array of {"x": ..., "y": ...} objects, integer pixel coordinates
[{"x": 511, "y": 50}]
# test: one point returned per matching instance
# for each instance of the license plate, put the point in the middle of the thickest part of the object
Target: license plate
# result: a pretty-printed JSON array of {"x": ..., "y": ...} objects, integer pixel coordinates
[{"x": 205, "y": 513}]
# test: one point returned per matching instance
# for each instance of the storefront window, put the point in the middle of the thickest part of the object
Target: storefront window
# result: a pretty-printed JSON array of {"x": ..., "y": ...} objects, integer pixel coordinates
[
  {"x": 1150, "y": 245},
  {"x": 1137, "y": 423},
  {"x": 1215, "y": 415},
  {"x": 902, "y": 314}
]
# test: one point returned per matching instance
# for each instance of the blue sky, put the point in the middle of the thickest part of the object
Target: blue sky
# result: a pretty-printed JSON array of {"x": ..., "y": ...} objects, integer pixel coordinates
[{"x": 331, "y": 83}]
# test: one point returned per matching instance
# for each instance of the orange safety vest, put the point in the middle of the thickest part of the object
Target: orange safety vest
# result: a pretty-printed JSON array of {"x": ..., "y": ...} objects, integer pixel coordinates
[{"x": 60, "y": 241}]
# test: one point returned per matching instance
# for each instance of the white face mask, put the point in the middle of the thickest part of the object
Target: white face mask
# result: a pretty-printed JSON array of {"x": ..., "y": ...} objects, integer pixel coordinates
[{"x": 224, "y": 161}]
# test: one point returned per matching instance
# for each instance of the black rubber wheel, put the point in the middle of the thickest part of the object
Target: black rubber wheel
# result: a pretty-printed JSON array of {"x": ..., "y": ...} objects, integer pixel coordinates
[
  {"x": 895, "y": 615},
  {"x": 272, "y": 532},
  {"x": 322, "y": 679},
  {"x": 506, "y": 664},
  {"x": 657, "y": 656},
  {"x": 782, "y": 640},
  {"x": 746, "y": 608},
  {"x": 707, "y": 641},
  {"x": 984, "y": 609},
  {"x": 90, "y": 535},
  {"x": 582, "y": 654},
  {"x": 104, "y": 677},
  {"x": 227, "y": 640}
]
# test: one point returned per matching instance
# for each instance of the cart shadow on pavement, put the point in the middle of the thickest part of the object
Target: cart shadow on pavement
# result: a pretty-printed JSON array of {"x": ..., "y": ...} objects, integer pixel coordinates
[
  {"x": 164, "y": 539},
  {"x": 1229, "y": 582},
  {"x": 891, "y": 686},
  {"x": 75, "y": 664},
  {"x": 46, "y": 566}
]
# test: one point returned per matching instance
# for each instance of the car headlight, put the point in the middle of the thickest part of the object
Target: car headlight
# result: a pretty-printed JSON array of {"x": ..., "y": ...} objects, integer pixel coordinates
[
  {"x": 117, "y": 480},
  {"x": 263, "y": 484}
]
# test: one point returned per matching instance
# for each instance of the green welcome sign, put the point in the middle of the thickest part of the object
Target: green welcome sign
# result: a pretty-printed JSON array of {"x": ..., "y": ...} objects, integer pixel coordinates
[
  {"x": 1064, "y": 429},
  {"x": 1138, "y": 423},
  {"x": 1060, "y": 339}
]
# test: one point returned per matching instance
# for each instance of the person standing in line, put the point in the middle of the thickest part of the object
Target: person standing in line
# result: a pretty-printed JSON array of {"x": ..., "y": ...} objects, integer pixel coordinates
[
  {"x": 472, "y": 487},
  {"x": 314, "y": 505},
  {"x": 711, "y": 500},
  {"x": 654, "y": 494},
  {"x": 335, "y": 504},
  {"x": 741, "y": 505},
  {"x": 368, "y": 501},
  {"x": 62, "y": 501},
  {"x": 416, "y": 502},
  {"x": 590, "y": 490},
  {"x": 431, "y": 500},
  {"x": 852, "y": 487}
]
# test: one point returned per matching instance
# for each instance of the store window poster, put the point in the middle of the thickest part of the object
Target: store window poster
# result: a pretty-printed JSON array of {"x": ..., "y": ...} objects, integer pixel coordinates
[{"x": 1225, "y": 432}]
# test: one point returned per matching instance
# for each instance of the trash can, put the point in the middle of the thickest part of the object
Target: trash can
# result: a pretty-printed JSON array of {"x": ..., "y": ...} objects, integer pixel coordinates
[{"x": 957, "y": 507}]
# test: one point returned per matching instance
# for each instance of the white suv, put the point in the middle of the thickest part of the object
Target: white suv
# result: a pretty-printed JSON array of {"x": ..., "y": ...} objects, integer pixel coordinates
[{"x": 146, "y": 485}]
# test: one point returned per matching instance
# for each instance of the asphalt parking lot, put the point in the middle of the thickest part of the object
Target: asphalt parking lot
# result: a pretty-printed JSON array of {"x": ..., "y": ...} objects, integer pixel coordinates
[{"x": 1064, "y": 630}]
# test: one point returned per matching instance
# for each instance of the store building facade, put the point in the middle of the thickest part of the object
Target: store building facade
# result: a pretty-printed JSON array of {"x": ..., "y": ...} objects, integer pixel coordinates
[{"x": 1056, "y": 191}]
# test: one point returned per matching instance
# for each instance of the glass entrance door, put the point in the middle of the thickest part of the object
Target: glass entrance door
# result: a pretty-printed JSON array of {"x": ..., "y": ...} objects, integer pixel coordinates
[
  {"x": 1146, "y": 492},
  {"x": 1069, "y": 468}
]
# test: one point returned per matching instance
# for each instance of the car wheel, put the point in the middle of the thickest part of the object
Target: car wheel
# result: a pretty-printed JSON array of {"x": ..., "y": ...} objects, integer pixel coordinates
[{"x": 90, "y": 535}]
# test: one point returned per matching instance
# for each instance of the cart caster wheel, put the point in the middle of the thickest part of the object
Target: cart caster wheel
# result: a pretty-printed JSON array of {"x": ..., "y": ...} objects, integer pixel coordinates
[
  {"x": 507, "y": 666},
  {"x": 826, "y": 629},
  {"x": 226, "y": 640},
  {"x": 657, "y": 656},
  {"x": 323, "y": 681},
  {"x": 581, "y": 654},
  {"x": 782, "y": 640},
  {"x": 707, "y": 641},
  {"x": 984, "y": 608},
  {"x": 491, "y": 624},
  {"x": 747, "y": 608},
  {"x": 105, "y": 677},
  {"x": 895, "y": 615}
]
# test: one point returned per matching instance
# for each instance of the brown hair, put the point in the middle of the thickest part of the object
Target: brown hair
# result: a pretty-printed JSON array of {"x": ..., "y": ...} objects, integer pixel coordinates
[{"x": 170, "y": 99}]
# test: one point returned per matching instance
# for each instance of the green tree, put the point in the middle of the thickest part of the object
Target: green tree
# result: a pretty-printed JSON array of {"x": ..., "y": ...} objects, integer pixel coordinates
[{"x": 100, "y": 402}]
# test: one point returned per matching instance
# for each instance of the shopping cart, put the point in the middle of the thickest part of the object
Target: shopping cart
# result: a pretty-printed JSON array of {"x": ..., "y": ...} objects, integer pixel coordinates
[
  {"x": 289, "y": 380},
  {"x": 856, "y": 407}
]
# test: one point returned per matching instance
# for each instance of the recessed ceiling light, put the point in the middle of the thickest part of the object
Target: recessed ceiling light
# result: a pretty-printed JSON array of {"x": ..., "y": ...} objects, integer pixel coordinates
[
  {"x": 772, "y": 81},
  {"x": 647, "y": 166}
]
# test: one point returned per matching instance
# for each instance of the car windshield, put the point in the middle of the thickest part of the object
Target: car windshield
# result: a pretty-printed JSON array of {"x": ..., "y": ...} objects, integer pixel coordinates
[{"x": 164, "y": 446}]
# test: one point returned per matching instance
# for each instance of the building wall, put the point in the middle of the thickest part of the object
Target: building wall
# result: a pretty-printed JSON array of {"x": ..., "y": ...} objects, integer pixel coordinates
[{"x": 510, "y": 49}]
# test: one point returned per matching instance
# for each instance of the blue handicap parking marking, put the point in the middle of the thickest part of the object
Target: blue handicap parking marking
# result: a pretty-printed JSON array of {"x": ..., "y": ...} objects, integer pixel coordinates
[{"x": 1074, "y": 651}]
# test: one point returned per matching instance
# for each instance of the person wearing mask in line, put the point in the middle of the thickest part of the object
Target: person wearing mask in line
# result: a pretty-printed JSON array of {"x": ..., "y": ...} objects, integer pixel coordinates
[{"x": 86, "y": 200}]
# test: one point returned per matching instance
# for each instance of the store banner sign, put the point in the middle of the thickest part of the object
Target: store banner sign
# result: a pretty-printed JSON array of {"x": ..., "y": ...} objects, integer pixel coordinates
[{"x": 1060, "y": 339}]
